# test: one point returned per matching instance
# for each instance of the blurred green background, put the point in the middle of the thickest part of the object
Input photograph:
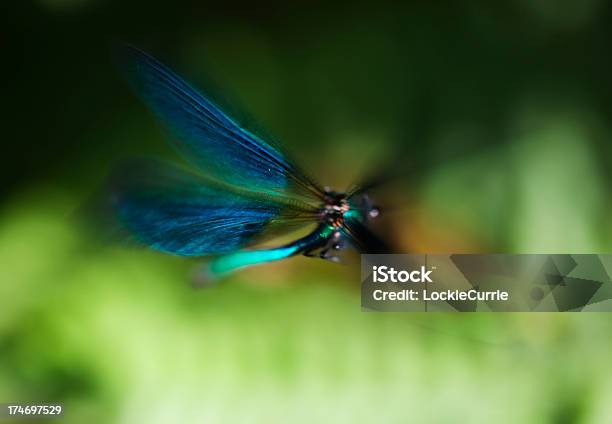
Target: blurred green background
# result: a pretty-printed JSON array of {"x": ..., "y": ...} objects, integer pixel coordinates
[{"x": 505, "y": 110}]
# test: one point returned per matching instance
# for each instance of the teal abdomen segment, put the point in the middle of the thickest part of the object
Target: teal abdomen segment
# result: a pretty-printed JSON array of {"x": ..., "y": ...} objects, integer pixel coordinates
[{"x": 233, "y": 261}]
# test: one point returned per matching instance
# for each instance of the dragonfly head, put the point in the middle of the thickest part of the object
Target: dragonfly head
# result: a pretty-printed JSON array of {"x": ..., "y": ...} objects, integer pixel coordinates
[
  {"x": 361, "y": 206},
  {"x": 339, "y": 206}
]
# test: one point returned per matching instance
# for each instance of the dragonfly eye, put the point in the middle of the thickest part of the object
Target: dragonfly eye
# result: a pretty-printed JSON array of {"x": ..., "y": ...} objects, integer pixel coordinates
[{"x": 374, "y": 212}]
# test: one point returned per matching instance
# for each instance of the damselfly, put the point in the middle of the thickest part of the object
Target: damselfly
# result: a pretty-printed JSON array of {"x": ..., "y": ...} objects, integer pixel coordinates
[{"x": 246, "y": 189}]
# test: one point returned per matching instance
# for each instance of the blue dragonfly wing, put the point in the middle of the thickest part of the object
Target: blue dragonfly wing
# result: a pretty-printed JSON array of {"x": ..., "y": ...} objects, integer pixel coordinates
[
  {"x": 178, "y": 212},
  {"x": 208, "y": 137}
]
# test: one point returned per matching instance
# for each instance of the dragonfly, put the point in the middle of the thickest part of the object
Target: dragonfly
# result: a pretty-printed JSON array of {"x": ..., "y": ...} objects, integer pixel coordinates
[{"x": 239, "y": 190}]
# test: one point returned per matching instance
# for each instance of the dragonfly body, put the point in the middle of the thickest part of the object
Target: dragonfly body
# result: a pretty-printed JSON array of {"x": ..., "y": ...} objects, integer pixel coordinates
[
  {"x": 325, "y": 239},
  {"x": 246, "y": 188},
  {"x": 320, "y": 238}
]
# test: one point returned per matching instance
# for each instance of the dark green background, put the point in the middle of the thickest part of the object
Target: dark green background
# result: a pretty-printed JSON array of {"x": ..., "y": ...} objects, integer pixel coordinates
[{"x": 504, "y": 112}]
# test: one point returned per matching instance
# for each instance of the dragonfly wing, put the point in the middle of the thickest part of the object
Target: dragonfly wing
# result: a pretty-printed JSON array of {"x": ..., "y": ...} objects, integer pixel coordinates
[
  {"x": 364, "y": 239},
  {"x": 179, "y": 212},
  {"x": 208, "y": 137}
]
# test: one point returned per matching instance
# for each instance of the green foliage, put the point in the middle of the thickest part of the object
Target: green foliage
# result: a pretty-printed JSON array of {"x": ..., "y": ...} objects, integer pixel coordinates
[
  {"x": 119, "y": 336},
  {"x": 506, "y": 105}
]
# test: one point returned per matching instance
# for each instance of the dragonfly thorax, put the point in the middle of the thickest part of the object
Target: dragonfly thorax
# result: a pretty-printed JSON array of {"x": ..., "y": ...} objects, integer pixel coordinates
[{"x": 336, "y": 205}]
